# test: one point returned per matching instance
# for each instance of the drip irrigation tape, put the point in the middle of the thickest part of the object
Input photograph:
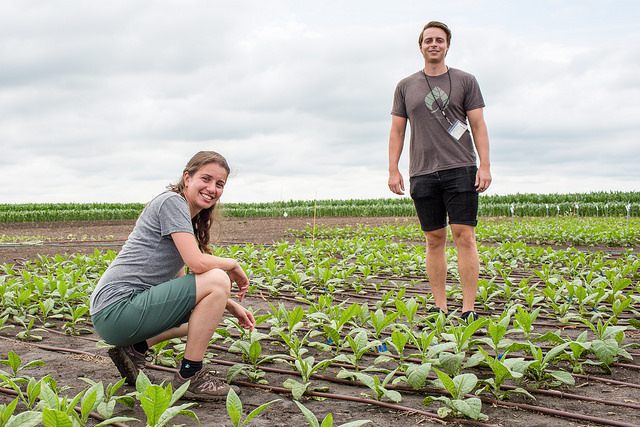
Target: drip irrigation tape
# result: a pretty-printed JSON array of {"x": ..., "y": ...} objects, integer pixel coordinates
[
  {"x": 558, "y": 413},
  {"x": 606, "y": 380},
  {"x": 564, "y": 395},
  {"x": 50, "y": 348}
]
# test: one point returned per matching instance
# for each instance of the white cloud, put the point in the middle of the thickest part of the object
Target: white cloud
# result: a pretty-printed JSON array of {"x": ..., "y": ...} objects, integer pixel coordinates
[{"x": 107, "y": 101}]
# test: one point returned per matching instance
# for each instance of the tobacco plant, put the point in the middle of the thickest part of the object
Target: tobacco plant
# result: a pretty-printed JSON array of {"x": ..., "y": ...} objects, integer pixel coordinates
[
  {"x": 305, "y": 367},
  {"x": 158, "y": 401},
  {"x": 457, "y": 405},
  {"x": 234, "y": 409},
  {"x": 375, "y": 385},
  {"x": 503, "y": 368},
  {"x": 14, "y": 362}
]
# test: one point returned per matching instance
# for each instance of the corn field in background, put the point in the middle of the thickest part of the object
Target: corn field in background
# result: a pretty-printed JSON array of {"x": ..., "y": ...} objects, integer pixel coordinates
[{"x": 593, "y": 204}]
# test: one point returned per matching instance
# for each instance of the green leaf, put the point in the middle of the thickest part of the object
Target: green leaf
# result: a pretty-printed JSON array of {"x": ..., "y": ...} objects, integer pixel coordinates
[
  {"x": 366, "y": 380},
  {"x": 328, "y": 421},
  {"x": 465, "y": 383},
  {"x": 260, "y": 409},
  {"x": 88, "y": 403},
  {"x": 447, "y": 382},
  {"x": 14, "y": 361},
  {"x": 563, "y": 376},
  {"x": 606, "y": 350},
  {"x": 294, "y": 317},
  {"x": 470, "y": 407},
  {"x": 450, "y": 362},
  {"x": 254, "y": 351},
  {"x": 241, "y": 347},
  {"x": 234, "y": 371},
  {"x": 310, "y": 416},
  {"x": 26, "y": 419},
  {"x": 296, "y": 387},
  {"x": 55, "y": 418},
  {"x": 357, "y": 423},
  {"x": 47, "y": 395},
  {"x": 361, "y": 340},
  {"x": 142, "y": 382},
  {"x": 399, "y": 341},
  {"x": 554, "y": 352},
  {"x": 347, "y": 314},
  {"x": 392, "y": 395},
  {"x": 175, "y": 411},
  {"x": 472, "y": 328},
  {"x": 332, "y": 333},
  {"x": 116, "y": 420},
  {"x": 154, "y": 402},
  {"x": 8, "y": 410},
  {"x": 417, "y": 374},
  {"x": 234, "y": 407}
]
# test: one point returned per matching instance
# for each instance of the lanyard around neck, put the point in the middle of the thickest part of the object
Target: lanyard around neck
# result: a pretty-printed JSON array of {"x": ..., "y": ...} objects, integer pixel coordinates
[{"x": 435, "y": 98}]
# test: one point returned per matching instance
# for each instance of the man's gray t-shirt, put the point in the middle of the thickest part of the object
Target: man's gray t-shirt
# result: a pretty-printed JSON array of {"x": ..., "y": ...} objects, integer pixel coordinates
[
  {"x": 432, "y": 148},
  {"x": 149, "y": 256}
]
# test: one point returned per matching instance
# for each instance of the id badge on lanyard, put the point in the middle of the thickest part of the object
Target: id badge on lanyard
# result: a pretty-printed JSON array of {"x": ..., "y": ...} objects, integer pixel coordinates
[{"x": 457, "y": 129}]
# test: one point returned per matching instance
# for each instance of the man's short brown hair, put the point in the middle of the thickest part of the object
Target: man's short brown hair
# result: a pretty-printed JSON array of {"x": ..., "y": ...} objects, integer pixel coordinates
[{"x": 436, "y": 24}]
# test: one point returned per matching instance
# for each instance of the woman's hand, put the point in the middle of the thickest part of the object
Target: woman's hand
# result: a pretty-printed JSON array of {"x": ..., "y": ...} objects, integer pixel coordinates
[
  {"x": 237, "y": 274},
  {"x": 244, "y": 316},
  {"x": 200, "y": 263}
]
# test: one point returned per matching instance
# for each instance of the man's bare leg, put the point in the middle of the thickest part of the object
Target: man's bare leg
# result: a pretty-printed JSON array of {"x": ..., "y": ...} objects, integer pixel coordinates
[
  {"x": 436, "y": 260},
  {"x": 468, "y": 263}
]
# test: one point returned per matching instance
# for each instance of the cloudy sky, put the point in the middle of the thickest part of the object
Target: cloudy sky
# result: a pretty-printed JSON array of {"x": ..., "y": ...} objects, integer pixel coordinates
[{"x": 106, "y": 101}]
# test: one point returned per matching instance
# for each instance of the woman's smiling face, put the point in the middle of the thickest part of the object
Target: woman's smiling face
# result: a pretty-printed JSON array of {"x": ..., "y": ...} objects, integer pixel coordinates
[{"x": 204, "y": 187}]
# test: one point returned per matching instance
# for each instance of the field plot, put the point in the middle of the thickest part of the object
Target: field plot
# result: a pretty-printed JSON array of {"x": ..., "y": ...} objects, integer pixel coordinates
[{"x": 343, "y": 329}]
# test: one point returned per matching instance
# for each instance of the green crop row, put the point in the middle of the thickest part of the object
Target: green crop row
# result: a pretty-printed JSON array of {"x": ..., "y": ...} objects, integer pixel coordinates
[{"x": 584, "y": 204}]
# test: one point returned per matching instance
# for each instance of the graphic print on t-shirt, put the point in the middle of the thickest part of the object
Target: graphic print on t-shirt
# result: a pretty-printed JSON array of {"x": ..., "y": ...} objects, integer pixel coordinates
[{"x": 435, "y": 99}]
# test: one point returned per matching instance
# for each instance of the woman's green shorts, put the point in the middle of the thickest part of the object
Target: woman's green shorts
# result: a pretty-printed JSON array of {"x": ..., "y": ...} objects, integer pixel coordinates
[{"x": 143, "y": 315}]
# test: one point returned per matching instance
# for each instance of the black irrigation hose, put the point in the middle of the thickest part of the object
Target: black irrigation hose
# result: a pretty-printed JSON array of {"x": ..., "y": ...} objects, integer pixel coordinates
[
  {"x": 558, "y": 413},
  {"x": 50, "y": 348},
  {"x": 563, "y": 395}
]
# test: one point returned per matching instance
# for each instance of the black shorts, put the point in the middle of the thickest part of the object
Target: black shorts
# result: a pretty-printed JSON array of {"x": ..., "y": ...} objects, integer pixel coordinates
[{"x": 450, "y": 192}]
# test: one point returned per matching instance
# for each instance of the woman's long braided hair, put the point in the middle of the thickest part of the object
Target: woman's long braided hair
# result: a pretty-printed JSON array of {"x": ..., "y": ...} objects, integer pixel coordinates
[{"x": 203, "y": 221}]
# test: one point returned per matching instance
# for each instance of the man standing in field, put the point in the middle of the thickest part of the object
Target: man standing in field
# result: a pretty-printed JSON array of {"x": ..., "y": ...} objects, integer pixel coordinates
[{"x": 440, "y": 104}]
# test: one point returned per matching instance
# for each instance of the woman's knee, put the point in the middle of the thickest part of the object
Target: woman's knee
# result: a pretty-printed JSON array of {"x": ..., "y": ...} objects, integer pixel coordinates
[{"x": 214, "y": 281}]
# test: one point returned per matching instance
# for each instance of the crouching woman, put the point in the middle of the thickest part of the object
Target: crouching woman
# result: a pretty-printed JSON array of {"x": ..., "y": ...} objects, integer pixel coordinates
[{"x": 145, "y": 297}]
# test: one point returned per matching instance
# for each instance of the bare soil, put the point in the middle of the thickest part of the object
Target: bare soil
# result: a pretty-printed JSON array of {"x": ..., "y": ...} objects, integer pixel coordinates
[{"x": 66, "y": 367}]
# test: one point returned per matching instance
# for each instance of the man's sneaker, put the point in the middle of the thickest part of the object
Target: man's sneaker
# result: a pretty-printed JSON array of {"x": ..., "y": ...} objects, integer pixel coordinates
[
  {"x": 428, "y": 321},
  {"x": 204, "y": 386},
  {"x": 469, "y": 316},
  {"x": 128, "y": 361}
]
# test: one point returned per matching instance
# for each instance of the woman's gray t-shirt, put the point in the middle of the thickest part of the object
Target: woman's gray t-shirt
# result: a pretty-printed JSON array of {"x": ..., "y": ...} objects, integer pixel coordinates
[{"x": 149, "y": 256}]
